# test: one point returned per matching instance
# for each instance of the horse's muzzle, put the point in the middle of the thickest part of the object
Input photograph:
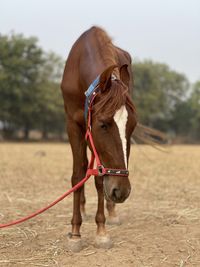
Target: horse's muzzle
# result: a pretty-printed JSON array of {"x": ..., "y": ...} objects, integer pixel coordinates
[
  {"x": 115, "y": 191},
  {"x": 117, "y": 196}
]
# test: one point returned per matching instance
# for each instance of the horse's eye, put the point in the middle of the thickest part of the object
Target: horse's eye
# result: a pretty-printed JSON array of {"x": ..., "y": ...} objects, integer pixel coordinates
[{"x": 104, "y": 126}]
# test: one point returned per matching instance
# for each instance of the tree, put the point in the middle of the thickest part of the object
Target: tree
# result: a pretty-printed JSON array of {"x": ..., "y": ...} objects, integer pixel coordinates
[
  {"x": 20, "y": 61},
  {"x": 157, "y": 90},
  {"x": 180, "y": 121},
  {"x": 194, "y": 101},
  {"x": 50, "y": 100},
  {"x": 186, "y": 115},
  {"x": 30, "y": 97}
]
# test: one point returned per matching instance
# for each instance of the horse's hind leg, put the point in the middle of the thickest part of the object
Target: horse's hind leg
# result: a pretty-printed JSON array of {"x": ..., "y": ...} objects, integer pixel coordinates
[
  {"x": 113, "y": 218},
  {"x": 102, "y": 238},
  {"x": 78, "y": 145}
]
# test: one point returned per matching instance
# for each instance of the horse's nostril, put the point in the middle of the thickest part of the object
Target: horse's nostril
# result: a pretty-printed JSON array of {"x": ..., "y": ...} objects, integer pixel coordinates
[{"x": 116, "y": 194}]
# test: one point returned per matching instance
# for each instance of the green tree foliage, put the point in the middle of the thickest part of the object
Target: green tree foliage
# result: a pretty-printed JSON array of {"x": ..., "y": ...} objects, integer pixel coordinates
[
  {"x": 20, "y": 60},
  {"x": 30, "y": 97},
  {"x": 29, "y": 91},
  {"x": 186, "y": 116},
  {"x": 194, "y": 103},
  {"x": 157, "y": 90},
  {"x": 181, "y": 122},
  {"x": 50, "y": 100}
]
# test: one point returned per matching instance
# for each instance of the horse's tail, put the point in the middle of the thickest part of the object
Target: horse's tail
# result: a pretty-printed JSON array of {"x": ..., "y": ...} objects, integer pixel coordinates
[{"x": 146, "y": 135}]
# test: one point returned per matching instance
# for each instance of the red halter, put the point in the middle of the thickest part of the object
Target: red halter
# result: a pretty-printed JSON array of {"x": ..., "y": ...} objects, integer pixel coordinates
[{"x": 100, "y": 169}]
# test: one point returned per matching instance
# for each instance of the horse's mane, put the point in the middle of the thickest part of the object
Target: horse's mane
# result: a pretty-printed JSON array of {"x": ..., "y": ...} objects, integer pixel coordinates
[
  {"x": 117, "y": 95},
  {"x": 112, "y": 99},
  {"x": 106, "y": 49}
]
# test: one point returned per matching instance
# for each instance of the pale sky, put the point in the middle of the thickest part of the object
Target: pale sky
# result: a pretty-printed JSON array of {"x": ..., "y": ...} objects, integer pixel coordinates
[{"x": 165, "y": 31}]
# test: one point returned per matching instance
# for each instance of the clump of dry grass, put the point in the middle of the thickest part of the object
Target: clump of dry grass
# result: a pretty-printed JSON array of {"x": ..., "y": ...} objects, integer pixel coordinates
[{"x": 160, "y": 221}]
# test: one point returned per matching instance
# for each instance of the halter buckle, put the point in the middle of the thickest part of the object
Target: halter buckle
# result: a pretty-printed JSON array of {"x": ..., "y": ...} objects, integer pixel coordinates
[{"x": 101, "y": 170}]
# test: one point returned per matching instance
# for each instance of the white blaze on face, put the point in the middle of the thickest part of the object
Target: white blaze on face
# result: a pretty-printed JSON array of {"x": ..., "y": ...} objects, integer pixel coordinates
[{"x": 120, "y": 118}]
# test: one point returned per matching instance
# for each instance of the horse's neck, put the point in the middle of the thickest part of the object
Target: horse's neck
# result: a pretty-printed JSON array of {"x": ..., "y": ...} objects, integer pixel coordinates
[
  {"x": 100, "y": 67},
  {"x": 100, "y": 59}
]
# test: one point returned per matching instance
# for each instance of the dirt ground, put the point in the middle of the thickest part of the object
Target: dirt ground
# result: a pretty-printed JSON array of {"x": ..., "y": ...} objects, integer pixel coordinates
[{"x": 160, "y": 220}]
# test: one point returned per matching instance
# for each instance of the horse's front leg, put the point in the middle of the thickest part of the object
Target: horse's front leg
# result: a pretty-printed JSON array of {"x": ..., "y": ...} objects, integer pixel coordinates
[
  {"x": 82, "y": 203},
  {"x": 78, "y": 145},
  {"x": 102, "y": 238}
]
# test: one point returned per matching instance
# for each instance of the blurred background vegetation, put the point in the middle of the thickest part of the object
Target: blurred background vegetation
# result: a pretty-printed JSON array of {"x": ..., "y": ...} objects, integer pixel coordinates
[{"x": 31, "y": 104}]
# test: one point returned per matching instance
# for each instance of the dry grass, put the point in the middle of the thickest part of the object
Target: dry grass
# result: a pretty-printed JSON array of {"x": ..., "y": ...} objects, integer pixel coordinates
[{"x": 161, "y": 219}]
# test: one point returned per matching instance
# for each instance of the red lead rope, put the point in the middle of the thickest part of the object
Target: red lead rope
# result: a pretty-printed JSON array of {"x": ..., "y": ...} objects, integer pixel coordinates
[
  {"x": 74, "y": 188},
  {"x": 98, "y": 171},
  {"x": 90, "y": 171}
]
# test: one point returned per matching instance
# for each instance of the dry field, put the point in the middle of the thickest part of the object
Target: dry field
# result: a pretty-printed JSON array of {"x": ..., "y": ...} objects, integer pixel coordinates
[{"x": 160, "y": 221}]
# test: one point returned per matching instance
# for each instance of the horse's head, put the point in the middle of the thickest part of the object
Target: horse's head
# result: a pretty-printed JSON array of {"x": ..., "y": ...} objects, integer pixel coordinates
[{"x": 113, "y": 122}]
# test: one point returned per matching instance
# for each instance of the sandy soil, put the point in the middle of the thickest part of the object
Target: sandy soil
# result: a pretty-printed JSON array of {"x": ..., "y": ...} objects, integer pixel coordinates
[{"x": 160, "y": 220}]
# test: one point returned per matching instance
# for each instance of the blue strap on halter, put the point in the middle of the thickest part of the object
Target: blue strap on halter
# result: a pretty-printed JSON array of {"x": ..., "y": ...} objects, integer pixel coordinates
[
  {"x": 88, "y": 94},
  {"x": 90, "y": 91}
]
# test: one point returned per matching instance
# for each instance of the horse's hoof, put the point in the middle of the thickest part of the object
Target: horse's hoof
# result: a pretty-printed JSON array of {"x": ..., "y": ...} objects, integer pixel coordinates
[
  {"x": 103, "y": 242},
  {"x": 113, "y": 220},
  {"x": 75, "y": 245}
]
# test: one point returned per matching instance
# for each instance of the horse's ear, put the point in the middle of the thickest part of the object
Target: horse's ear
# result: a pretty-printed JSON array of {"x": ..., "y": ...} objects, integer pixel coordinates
[
  {"x": 105, "y": 78},
  {"x": 124, "y": 74}
]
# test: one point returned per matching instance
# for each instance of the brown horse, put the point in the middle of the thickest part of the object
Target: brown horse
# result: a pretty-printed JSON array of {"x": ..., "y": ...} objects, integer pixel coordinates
[{"x": 113, "y": 121}]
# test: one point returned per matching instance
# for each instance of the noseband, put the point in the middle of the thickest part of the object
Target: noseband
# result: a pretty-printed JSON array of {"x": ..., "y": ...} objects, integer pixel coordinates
[{"x": 100, "y": 170}]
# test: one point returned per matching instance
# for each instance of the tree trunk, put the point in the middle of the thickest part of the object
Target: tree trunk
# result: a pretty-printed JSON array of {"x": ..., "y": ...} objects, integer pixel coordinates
[
  {"x": 44, "y": 134},
  {"x": 26, "y": 132}
]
